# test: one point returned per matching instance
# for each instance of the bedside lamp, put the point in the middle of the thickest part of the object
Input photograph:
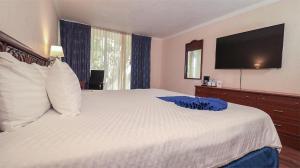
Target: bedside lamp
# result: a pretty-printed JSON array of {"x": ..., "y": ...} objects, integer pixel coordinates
[{"x": 56, "y": 52}]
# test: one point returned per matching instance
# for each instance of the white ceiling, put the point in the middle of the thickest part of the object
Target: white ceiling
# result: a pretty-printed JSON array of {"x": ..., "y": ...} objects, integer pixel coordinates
[{"x": 156, "y": 18}]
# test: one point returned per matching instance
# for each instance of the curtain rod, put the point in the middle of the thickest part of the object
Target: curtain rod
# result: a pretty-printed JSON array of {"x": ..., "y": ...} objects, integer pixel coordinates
[{"x": 116, "y": 31}]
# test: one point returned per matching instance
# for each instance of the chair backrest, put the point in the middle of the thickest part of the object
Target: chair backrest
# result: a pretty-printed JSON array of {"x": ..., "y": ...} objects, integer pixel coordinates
[{"x": 97, "y": 76}]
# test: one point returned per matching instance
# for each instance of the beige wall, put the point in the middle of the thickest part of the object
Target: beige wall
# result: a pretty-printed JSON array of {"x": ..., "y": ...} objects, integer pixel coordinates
[
  {"x": 286, "y": 79},
  {"x": 33, "y": 22},
  {"x": 156, "y": 62}
]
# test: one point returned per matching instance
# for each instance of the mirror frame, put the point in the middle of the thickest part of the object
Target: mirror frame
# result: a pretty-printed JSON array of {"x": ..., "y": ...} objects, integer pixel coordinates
[{"x": 193, "y": 45}]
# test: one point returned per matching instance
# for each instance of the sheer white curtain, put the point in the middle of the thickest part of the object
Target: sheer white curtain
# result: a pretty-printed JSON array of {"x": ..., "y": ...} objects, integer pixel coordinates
[{"x": 111, "y": 52}]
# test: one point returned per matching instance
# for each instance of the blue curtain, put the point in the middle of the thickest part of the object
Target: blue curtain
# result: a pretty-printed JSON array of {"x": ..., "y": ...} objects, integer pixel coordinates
[
  {"x": 140, "y": 62},
  {"x": 76, "y": 43}
]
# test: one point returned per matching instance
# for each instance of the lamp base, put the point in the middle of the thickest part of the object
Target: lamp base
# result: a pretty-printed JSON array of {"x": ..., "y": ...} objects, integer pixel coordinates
[{"x": 53, "y": 59}]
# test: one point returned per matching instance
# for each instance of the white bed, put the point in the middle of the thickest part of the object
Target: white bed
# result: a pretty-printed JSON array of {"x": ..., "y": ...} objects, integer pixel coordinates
[{"x": 132, "y": 129}]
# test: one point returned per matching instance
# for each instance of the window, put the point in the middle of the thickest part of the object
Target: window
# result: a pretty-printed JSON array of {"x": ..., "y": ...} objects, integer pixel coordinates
[{"x": 111, "y": 52}]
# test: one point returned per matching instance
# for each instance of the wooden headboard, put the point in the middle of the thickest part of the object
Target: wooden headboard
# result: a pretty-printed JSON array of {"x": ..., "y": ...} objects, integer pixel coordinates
[{"x": 20, "y": 51}]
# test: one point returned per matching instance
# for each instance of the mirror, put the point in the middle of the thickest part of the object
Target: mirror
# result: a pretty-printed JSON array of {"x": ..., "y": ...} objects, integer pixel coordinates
[{"x": 193, "y": 60}]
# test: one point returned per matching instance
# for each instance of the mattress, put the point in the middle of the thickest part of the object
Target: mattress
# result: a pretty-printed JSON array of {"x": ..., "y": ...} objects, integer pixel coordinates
[{"x": 134, "y": 129}]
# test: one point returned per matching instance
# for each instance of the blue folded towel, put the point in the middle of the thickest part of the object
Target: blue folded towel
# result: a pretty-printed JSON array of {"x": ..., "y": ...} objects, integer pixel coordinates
[{"x": 199, "y": 103}]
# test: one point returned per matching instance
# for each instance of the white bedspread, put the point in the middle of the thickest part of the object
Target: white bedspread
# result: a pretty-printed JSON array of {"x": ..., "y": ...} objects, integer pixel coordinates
[{"x": 134, "y": 129}]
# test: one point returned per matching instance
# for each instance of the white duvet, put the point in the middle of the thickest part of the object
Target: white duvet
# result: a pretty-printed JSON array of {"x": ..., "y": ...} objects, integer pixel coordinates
[{"x": 134, "y": 129}]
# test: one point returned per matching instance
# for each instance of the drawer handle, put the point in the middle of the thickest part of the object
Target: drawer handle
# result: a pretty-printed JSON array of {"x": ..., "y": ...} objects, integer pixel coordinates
[
  {"x": 277, "y": 125},
  {"x": 278, "y": 111},
  {"x": 247, "y": 96}
]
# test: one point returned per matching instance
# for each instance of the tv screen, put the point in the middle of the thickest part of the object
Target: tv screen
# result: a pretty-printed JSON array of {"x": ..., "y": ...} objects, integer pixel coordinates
[{"x": 256, "y": 49}]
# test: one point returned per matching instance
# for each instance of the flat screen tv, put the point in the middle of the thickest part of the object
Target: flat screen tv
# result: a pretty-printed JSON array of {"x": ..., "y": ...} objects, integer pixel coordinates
[{"x": 256, "y": 49}]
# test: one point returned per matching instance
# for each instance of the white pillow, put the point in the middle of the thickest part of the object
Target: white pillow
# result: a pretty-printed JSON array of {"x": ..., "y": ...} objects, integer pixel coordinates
[
  {"x": 23, "y": 96},
  {"x": 63, "y": 89}
]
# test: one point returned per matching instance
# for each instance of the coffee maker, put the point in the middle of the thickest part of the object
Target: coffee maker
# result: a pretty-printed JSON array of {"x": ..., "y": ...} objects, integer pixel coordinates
[{"x": 205, "y": 80}]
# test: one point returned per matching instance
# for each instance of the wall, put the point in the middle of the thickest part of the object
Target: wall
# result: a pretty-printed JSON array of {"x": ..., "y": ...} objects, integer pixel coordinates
[
  {"x": 156, "y": 62},
  {"x": 286, "y": 79},
  {"x": 32, "y": 22}
]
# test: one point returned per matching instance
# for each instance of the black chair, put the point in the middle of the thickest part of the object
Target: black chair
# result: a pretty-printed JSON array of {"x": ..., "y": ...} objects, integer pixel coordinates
[{"x": 96, "y": 80}]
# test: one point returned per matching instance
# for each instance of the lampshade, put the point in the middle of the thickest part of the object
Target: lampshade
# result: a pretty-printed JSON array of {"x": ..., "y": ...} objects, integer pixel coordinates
[{"x": 56, "y": 51}]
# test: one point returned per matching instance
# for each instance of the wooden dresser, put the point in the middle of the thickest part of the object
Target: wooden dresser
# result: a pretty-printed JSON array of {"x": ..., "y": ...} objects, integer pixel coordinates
[{"x": 283, "y": 109}]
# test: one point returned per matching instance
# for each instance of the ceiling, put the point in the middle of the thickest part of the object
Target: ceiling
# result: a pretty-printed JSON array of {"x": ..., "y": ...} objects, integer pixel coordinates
[{"x": 156, "y": 18}]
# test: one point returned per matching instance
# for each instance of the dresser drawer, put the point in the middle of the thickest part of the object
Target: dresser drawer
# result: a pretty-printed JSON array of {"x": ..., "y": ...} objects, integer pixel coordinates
[
  {"x": 241, "y": 95},
  {"x": 205, "y": 93},
  {"x": 276, "y": 111},
  {"x": 289, "y": 140},
  {"x": 286, "y": 120},
  {"x": 282, "y": 101},
  {"x": 287, "y": 128},
  {"x": 210, "y": 93},
  {"x": 238, "y": 97}
]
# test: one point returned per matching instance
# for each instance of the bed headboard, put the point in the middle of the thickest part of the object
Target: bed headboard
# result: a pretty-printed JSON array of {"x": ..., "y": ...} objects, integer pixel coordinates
[{"x": 20, "y": 51}]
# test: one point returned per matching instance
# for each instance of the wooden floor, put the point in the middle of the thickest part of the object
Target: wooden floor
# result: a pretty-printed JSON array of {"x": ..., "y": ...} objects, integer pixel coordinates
[{"x": 289, "y": 158}]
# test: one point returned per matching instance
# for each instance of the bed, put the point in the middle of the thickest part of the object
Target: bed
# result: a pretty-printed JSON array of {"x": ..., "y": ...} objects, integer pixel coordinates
[{"x": 136, "y": 129}]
